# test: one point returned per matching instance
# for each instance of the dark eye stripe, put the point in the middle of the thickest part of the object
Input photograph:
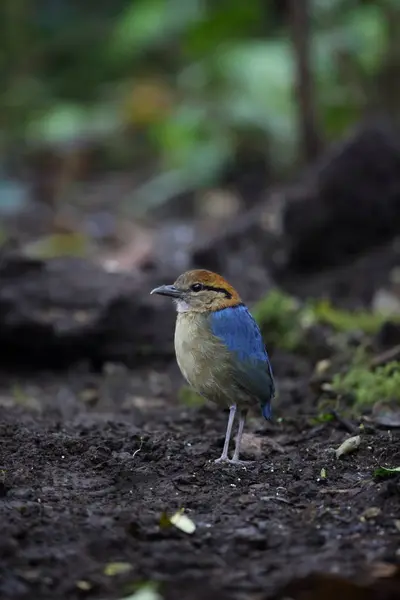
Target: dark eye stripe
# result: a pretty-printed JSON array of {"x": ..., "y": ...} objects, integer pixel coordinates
[
  {"x": 219, "y": 290},
  {"x": 198, "y": 287}
]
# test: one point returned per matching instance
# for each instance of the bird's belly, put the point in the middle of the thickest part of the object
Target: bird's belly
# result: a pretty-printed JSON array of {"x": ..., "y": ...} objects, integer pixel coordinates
[{"x": 203, "y": 366}]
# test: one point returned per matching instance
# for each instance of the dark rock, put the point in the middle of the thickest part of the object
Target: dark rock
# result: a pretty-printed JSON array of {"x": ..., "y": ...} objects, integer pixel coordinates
[
  {"x": 65, "y": 310},
  {"x": 348, "y": 202}
]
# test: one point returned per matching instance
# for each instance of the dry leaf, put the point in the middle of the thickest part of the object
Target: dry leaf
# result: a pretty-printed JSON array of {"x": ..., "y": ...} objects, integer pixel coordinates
[
  {"x": 380, "y": 570},
  {"x": 183, "y": 522},
  {"x": 322, "y": 366},
  {"x": 83, "y": 585},
  {"x": 348, "y": 446},
  {"x": 372, "y": 512},
  {"x": 147, "y": 591}
]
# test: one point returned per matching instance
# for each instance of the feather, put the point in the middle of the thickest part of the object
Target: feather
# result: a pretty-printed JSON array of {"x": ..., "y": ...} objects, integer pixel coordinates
[{"x": 251, "y": 368}]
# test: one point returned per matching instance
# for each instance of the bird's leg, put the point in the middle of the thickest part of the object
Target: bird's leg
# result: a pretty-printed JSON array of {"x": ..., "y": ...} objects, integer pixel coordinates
[
  {"x": 235, "y": 457},
  {"x": 224, "y": 455}
]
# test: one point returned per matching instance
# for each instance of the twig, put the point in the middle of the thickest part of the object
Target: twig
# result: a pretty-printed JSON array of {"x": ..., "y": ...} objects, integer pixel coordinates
[
  {"x": 277, "y": 498},
  {"x": 138, "y": 449},
  {"x": 344, "y": 422},
  {"x": 385, "y": 357}
]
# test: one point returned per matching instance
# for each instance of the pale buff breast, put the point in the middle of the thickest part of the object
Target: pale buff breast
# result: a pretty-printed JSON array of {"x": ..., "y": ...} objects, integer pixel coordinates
[{"x": 201, "y": 357}]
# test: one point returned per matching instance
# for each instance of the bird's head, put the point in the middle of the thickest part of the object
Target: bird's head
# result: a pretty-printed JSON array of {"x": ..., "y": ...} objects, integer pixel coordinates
[{"x": 200, "y": 291}]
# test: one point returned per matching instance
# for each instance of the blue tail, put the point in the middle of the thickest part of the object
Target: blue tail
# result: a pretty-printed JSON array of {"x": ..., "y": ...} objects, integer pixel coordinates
[{"x": 266, "y": 410}]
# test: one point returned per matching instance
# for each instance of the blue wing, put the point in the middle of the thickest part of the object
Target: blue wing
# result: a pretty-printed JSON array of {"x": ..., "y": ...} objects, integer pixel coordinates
[{"x": 237, "y": 329}]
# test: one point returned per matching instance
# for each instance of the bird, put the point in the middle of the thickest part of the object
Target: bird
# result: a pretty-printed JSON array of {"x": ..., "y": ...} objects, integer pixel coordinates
[{"x": 220, "y": 350}]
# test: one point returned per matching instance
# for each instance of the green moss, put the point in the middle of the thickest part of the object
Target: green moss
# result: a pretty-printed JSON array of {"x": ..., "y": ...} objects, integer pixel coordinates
[
  {"x": 322, "y": 417},
  {"x": 284, "y": 320},
  {"x": 369, "y": 322},
  {"x": 280, "y": 317},
  {"x": 366, "y": 386},
  {"x": 188, "y": 397}
]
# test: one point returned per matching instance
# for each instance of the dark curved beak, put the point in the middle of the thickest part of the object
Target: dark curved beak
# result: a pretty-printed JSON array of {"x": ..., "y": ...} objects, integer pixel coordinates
[{"x": 167, "y": 290}]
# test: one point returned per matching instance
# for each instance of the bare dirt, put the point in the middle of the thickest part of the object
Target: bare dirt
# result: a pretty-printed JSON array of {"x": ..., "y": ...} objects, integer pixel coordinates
[{"x": 84, "y": 485}]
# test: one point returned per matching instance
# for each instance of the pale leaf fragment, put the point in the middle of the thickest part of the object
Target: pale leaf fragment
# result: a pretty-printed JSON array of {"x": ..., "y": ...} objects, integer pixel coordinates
[
  {"x": 348, "y": 446},
  {"x": 182, "y": 522},
  {"x": 83, "y": 585},
  {"x": 147, "y": 591},
  {"x": 372, "y": 512}
]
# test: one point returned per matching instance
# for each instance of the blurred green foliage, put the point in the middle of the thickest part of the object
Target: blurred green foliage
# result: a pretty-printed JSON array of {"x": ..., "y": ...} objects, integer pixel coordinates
[
  {"x": 280, "y": 318},
  {"x": 285, "y": 321},
  {"x": 179, "y": 84},
  {"x": 367, "y": 386},
  {"x": 366, "y": 321}
]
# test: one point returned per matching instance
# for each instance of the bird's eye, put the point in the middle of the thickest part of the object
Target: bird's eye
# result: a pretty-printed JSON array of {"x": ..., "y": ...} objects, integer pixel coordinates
[{"x": 196, "y": 287}]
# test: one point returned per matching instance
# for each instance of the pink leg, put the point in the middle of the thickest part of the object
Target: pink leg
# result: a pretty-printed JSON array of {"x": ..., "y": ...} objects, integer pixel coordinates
[
  {"x": 235, "y": 457},
  {"x": 224, "y": 455}
]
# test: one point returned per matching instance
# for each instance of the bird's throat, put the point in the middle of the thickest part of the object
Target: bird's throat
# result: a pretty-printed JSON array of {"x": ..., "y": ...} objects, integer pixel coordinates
[{"x": 182, "y": 306}]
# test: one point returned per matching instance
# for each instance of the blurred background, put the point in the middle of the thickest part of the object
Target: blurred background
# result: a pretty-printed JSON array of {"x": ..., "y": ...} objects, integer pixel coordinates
[
  {"x": 124, "y": 106},
  {"x": 254, "y": 138}
]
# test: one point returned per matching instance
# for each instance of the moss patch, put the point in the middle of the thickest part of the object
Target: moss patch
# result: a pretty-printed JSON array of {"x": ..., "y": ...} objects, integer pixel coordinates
[
  {"x": 281, "y": 318},
  {"x": 368, "y": 322},
  {"x": 284, "y": 320},
  {"x": 366, "y": 386}
]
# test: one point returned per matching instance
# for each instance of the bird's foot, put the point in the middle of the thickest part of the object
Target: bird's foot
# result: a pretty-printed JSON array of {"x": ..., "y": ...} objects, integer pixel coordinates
[
  {"x": 222, "y": 459},
  {"x": 240, "y": 463},
  {"x": 233, "y": 461}
]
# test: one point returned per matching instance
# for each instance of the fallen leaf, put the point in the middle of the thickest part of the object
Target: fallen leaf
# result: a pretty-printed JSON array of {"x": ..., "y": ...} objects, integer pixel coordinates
[
  {"x": 348, "y": 446},
  {"x": 323, "y": 473},
  {"x": 385, "y": 472},
  {"x": 179, "y": 520},
  {"x": 147, "y": 591},
  {"x": 83, "y": 585},
  {"x": 183, "y": 522},
  {"x": 380, "y": 570},
  {"x": 322, "y": 366},
  {"x": 371, "y": 512},
  {"x": 116, "y": 568}
]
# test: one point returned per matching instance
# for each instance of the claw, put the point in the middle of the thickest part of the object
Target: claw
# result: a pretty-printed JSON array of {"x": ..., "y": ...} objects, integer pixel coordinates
[
  {"x": 222, "y": 459},
  {"x": 240, "y": 463},
  {"x": 234, "y": 461}
]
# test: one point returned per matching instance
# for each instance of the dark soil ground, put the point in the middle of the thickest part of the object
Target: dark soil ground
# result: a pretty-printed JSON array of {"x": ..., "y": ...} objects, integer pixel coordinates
[{"x": 88, "y": 467}]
